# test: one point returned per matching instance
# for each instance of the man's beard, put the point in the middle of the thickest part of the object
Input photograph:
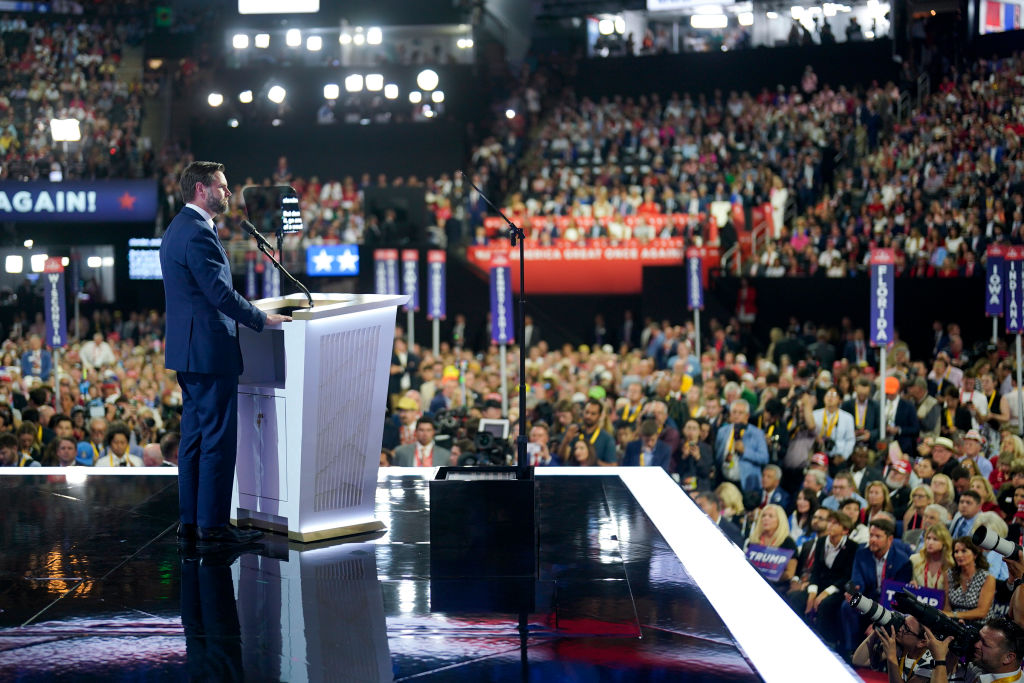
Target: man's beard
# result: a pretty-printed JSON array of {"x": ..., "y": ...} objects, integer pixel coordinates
[{"x": 215, "y": 206}]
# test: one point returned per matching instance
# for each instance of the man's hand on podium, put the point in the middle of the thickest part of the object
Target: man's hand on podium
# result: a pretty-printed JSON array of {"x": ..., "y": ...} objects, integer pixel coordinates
[{"x": 277, "y": 318}]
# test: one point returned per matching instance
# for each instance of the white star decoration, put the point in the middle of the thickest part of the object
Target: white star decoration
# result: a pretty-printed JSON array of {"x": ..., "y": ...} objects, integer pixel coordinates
[
  {"x": 323, "y": 261},
  {"x": 347, "y": 261}
]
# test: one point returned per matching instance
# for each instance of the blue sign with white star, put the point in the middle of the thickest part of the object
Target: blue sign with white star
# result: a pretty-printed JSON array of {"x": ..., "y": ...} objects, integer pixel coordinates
[{"x": 332, "y": 260}]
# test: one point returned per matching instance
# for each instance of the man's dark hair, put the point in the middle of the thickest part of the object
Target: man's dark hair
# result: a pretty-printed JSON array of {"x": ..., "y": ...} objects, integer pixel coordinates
[
  {"x": 197, "y": 172},
  {"x": 951, "y": 391},
  {"x": 30, "y": 415},
  {"x": 58, "y": 418},
  {"x": 1012, "y": 632},
  {"x": 842, "y": 519},
  {"x": 8, "y": 440},
  {"x": 849, "y": 501},
  {"x": 970, "y": 493},
  {"x": 709, "y": 496},
  {"x": 168, "y": 443},
  {"x": 39, "y": 395},
  {"x": 863, "y": 381},
  {"x": 885, "y": 526},
  {"x": 116, "y": 428},
  {"x": 649, "y": 428},
  {"x": 959, "y": 472},
  {"x": 426, "y": 421},
  {"x": 594, "y": 401},
  {"x": 773, "y": 406}
]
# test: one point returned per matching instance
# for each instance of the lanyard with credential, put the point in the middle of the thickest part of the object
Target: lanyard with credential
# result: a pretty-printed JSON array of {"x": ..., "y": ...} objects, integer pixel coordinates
[{"x": 827, "y": 424}]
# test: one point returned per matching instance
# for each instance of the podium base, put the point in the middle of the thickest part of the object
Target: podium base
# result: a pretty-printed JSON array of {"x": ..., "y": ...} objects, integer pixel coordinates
[{"x": 311, "y": 536}]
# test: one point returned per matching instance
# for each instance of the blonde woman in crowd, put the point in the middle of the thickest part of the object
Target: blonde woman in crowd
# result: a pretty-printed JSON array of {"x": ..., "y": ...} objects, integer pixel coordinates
[
  {"x": 934, "y": 560},
  {"x": 942, "y": 488}
]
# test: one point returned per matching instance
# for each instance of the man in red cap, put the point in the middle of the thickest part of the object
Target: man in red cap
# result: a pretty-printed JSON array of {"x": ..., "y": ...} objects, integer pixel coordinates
[{"x": 900, "y": 419}]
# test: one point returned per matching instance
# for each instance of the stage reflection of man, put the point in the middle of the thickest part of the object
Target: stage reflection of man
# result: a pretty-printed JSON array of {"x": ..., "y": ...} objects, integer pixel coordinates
[{"x": 213, "y": 637}]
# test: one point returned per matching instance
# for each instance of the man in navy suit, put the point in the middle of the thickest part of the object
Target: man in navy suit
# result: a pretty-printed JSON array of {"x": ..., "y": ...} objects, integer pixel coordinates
[
  {"x": 881, "y": 559},
  {"x": 900, "y": 419},
  {"x": 203, "y": 312},
  {"x": 648, "y": 450}
]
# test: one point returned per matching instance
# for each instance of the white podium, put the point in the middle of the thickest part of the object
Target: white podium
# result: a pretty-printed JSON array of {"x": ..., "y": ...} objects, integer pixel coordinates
[{"x": 311, "y": 405}]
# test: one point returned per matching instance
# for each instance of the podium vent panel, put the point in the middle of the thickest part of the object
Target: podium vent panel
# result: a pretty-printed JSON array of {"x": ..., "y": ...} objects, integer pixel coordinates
[{"x": 348, "y": 364}]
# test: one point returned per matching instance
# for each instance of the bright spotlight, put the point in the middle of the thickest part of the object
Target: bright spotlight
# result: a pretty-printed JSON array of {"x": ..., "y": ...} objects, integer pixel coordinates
[
  {"x": 29, "y": 243},
  {"x": 331, "y": 91},
  {"x": 620, "y": 25},
  {"x": 14, "y": 263},
  {"x": 245, "y": 97},
  {"x": 427, "y": 79},
  {"x": 262, "y": 40},
  {"x": 374, "y": 82},
  {"x": 391, "y": 91},
  {"x": 38, "y": 262},
  {"x": 233, "y": 123},
  {"x": 345, "y": 38},
  {"x": 215, "y": 99},
  {"x": 293, "y": 38},
  {"x": 240, "y": 41},
  {"x": 353, "y": 83},
  {"x": 65, "y": 261},
  {"x": 94, "y": 262},
  {"x": 359, "y": 39},
  {"x": 709, "y": 21},
  {"x": 745, "y": 18},
  {"x": 437, "y": 96},
  {"x": 415, "y": 97},
  {"x": 374, "y": 35},
  {"x": 464, "y": 43},
  {"x": 314, "y": 43},
  {"x": 275, "y": 122},
  {"x": 606, "y": 27},
  {"x": 65, "y": 130},
  {"x": 108, "y": 261},
  {"x": 771, "y": 15},
  {"x": 510, "y": 114},
  {"x": 276, "y": 94}
]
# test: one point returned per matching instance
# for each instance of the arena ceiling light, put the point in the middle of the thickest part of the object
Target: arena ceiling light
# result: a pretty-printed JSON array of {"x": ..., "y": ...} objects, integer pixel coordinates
[
  {"x": 240, "y": 41},
  {"x": 94, "y": 261},
  {"x": 262, "y": 40},
  {"x": 65, "y": 130},
  {"x": 28, "y": 244},
  {"x": 278, "y": 6},
  {"x": 391, "y": 91},
  {"x": 709, "y": 21},
  {"x": 245, "y": 97},
  {"x": 374, "y": 36},
  {"x": 38, "y": 262},
  {"x": 437, "y": 97},
  {"x": 314, "y": 43},
  {"x": 65, "y": 261},
  {"x": 464, "y": 43},
  {"x": 745, "y": 18},
  {"x": 14, "y": 263},
  {"x": 331, "y": 91},
  {"x": 353, "y": 83},
  {"x": 374, "y": 82},
  {"x": 427, "y": 79},
  {"x": 510, "y": 114},
  {"x": 415, "y": 97},
  {"x": 232, "y": 123},
  {"x": 276, "y": 94},
  {"x": 293, "y": 37},
  {"x": 215, "y": 99},
  {"x": 606, "y": 27},
  {"x": 359, "y": 38},
  {"x": 345, "y": 38},
  {"x": 771, "y": 15}
]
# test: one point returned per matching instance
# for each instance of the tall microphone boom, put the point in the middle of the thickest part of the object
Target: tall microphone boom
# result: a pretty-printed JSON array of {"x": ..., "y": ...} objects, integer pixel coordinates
[{"x": 251, "y": 229}]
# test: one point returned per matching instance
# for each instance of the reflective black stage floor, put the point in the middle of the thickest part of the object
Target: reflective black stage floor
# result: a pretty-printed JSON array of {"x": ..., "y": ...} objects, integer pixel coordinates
[{"x": 92, "y": 586}]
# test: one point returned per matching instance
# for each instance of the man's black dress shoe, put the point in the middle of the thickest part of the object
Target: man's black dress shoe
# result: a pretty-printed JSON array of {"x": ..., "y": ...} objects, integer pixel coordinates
[
  {"x": 225, "y": 535},
  {"x": 186, "y": 531}
]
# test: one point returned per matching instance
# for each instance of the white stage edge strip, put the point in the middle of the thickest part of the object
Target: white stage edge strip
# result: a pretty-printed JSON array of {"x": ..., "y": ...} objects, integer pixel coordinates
[{"x": 778, "y": 643}]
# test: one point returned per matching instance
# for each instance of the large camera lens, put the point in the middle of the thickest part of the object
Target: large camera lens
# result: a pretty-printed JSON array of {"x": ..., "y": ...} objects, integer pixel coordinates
[{"x": 990, "y": 540}]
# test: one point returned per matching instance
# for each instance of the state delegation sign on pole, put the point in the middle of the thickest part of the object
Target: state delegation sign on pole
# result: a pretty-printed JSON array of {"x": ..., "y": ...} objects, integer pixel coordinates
[
  {"x": 502, "y": 331},
  {"x": 55, "y": 312},
  {"x": 436, "y": 266},
  {"x": 995, "y": 260},
  {"x": 1014, "y": 298},
  {"x": 882, "y": 295},
  {"x": 695, "y": 292}
]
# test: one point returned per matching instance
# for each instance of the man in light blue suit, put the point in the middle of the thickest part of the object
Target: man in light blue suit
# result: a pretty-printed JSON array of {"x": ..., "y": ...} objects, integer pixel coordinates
[
  {"x": 203, "y": 312},
  {"x": 740, "y": 449}
]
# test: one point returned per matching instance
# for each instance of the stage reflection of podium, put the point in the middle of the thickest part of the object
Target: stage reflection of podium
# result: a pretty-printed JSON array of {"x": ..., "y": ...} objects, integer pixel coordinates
[
  {"x": 318, "y": 615},
  {"x": 311, "y": 406}
]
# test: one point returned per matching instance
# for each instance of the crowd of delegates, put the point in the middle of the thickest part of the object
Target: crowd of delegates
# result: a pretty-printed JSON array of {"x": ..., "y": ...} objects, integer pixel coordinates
[
  {"x": 67, "y": 67},
  {"x": 781, "y": 449},
  {"x": 840, "y": 169}
]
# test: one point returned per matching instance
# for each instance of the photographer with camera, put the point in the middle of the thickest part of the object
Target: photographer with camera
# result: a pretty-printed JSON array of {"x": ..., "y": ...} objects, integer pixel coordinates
[
  {"x": 834, "y": 428},
  {"x": 800, "y": 437},
  {"x": 771, "y": 421},
  {"x": 695, "y": 462},
  {"x": 902, "y": 652},
  {"x": 996, "y": 656}
]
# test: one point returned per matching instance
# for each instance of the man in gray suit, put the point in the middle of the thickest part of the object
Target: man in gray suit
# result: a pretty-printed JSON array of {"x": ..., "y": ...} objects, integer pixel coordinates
[{"x": 423, "y": 452}]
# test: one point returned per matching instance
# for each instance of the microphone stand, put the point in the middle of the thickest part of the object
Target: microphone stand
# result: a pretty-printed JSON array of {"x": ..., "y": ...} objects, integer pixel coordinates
[
  {"x": 277, "y": 264},
  {"x": 515, "y": 233}
]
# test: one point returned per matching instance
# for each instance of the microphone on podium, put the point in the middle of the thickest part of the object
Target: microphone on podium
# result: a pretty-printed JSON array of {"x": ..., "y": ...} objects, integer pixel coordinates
[{"x": 251, "y": 229}]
